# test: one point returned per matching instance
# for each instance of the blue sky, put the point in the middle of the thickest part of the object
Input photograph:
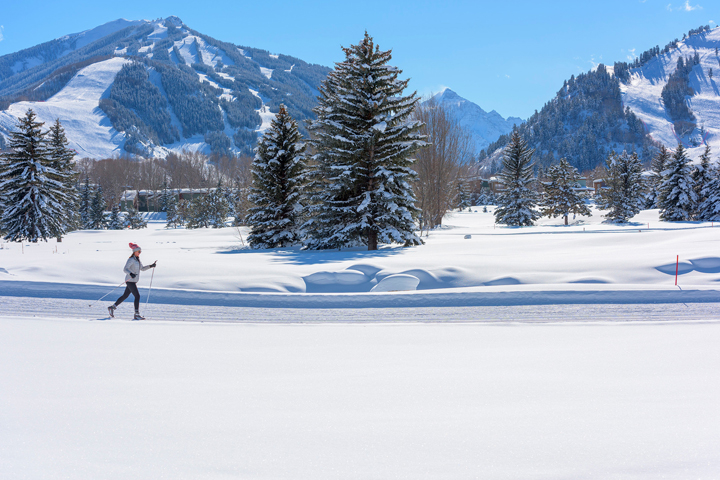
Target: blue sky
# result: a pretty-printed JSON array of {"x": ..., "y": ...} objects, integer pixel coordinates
[{"x": 509, "y": 56}]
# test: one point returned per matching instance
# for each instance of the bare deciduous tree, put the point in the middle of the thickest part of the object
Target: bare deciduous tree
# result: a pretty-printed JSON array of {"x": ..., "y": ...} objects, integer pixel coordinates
[{"x": 442, "y": 165}]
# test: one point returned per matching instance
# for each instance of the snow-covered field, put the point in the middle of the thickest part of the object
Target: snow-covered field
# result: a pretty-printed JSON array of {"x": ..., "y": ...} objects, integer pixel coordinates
[{"x": 542, "y": 352}]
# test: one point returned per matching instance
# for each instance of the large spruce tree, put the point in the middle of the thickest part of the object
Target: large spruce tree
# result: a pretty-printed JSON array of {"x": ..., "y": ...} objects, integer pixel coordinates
[
  {"x": 517, "y": 204},
  {"x": 278, "y": 172},
  {"x": 361, "y": 192},
  {"x": 561, "y": 197},
  {"x": 678, "y": 200},
  {"x": 36, "y": 198},
  {"x": 623, "y": 195}
]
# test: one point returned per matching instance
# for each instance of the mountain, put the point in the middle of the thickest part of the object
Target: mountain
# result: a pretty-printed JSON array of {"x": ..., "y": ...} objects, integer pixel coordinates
[
  {"x": 647, "y": 89},
  {"x": 145, "y": 88},
  {"x": 655, "y": 100},
  {"x": 484, "y": 127}
]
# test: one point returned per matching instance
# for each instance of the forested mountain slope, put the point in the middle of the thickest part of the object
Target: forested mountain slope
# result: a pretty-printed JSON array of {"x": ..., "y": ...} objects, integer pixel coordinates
[
  {"x": 148, "y": 87},
  {"x": 665, "y": 96}
]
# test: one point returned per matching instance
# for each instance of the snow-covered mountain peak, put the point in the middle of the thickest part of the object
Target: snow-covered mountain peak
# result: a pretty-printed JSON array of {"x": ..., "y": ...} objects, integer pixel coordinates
[
  {"x": 484, "y": 127},
  {"x": 154, "y": 86}
]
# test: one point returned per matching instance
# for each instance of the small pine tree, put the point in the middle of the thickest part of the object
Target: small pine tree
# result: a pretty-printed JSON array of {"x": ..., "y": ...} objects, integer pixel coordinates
[
  {"x": 36, "y": 198},
  {"x": 172, "y": 211},
  {"x": 623, "y": 195},
  {"x": 134, "y": 219},
  {"x": 86, "y": 191},
  {"x": 277, "y": 170},
  {"x": 561, "y": 198},
  {"x": 197, "y": 215},
  {"x": 463, "y": 195},
  {"x": 117, "y": 218},
  {"x": 518, "y": 201},
  {"x": 97, "y": 210},
  {"x": 657, "y": 167},
  {"x": 678, "y": 200},
  {"x": 218, "y": 207},
  {"x": 709, "y": 209},
  {"x": 702, "y": 176},
  {"x": 164, "y": 197}
]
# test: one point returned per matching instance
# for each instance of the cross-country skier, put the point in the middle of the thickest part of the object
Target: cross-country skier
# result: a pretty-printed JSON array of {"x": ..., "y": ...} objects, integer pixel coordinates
[{"x": 132, "y": 270}]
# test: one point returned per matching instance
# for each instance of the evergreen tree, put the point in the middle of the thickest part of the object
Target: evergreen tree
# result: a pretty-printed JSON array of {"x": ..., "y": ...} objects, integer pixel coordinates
[
  {"x": 173, "y": 217},
  {"x": 678, "y": 200},
  {"x": 361, "y": 188},
  {"x": 61, "y": 160},
  {"x": 702, "y": 177},
  {"x": 117, "y": 218},
  {"x": 97, "y": 210},
  {"x": 134, "y": 219},
  {"x": 277, "y": 171},
  {"x": 35, "y": 197},
  {"x": 623, "y": 193},
  {"x": 463, "y": 199},
  {"x": 165, "y": 197},
  {"x": 561, "y": 198},
  {"x": 197, "y": 213},
  {"x": 218, "y": 207},
  {"x": 86, "y": 191},
  {"x": 654, "y": 180},
  {"x": 709, "y": 209},
  {"x": 518, "y": 201}
]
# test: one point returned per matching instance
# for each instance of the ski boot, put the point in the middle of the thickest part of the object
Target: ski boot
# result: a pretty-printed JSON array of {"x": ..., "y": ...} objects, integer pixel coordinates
[
  {"x": 138, "y": 316},
  {"x": 111, "y": 310}
]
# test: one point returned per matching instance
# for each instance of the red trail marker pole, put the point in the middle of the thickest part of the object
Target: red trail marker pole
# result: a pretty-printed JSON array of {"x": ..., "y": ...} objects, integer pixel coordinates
[{"x": 677, "y": 264}]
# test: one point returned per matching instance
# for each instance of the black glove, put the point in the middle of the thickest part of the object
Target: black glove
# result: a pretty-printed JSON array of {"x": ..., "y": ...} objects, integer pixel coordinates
[
  {"x": 153, "y": 265},
  {"x": 132, "y": 275}
]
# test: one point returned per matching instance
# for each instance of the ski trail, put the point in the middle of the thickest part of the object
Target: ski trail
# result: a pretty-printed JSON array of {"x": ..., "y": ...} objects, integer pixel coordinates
[{"x": 27, "y": 307}]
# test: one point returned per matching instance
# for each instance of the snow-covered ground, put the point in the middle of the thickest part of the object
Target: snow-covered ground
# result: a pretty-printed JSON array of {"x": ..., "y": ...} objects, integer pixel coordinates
[
  {"x": 587, "y": 255},
  {"x": 534, "y": 353},
  {"x": 150, "y": 400}
]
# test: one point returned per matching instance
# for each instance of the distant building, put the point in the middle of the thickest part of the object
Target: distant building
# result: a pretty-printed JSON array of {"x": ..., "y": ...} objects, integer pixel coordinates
[
  {"x": 598, "y": 183},
  {"x": 150, "y": 200}
]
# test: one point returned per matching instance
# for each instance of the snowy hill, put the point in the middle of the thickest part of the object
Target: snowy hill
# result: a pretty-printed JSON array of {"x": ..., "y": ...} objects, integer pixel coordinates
[
  {"x": 484, "y": 127},
  {"x": 642, "y": 93},
  {"x": 621, "y": 107},
  {"x": 150, "y": 87}
]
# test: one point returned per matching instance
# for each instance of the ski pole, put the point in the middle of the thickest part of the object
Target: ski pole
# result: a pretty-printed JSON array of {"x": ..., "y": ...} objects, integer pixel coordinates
[
  {"x": 114, "y": 288},
  {"x": 150, "y": 289}
]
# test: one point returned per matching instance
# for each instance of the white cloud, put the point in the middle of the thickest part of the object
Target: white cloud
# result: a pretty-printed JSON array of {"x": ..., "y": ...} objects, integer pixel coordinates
[
  {"x": 2, "y": 27},
  {"x": 689, "y": 8},
  {"x": 631, "y": 55},
  {"x": 669, "y": 7}
]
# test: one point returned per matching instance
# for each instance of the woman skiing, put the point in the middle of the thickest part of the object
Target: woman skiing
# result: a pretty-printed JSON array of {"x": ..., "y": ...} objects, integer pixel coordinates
[{"x": 132, "y": 270}]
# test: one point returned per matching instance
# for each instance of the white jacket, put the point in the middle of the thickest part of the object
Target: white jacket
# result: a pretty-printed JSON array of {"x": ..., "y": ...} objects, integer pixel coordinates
[{"x": 134, "y": 265}]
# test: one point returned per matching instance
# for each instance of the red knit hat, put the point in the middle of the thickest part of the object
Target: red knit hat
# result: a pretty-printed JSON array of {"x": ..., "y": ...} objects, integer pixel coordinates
[{"x": 135, "y": 247}]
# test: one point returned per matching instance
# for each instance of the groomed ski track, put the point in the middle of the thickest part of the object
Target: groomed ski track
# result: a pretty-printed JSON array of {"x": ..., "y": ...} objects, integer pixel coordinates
[{"x": 74, "y": 301}]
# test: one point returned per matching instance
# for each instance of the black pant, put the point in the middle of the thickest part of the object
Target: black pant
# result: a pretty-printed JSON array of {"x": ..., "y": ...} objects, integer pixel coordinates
[{"x": 130, "y": 287}]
